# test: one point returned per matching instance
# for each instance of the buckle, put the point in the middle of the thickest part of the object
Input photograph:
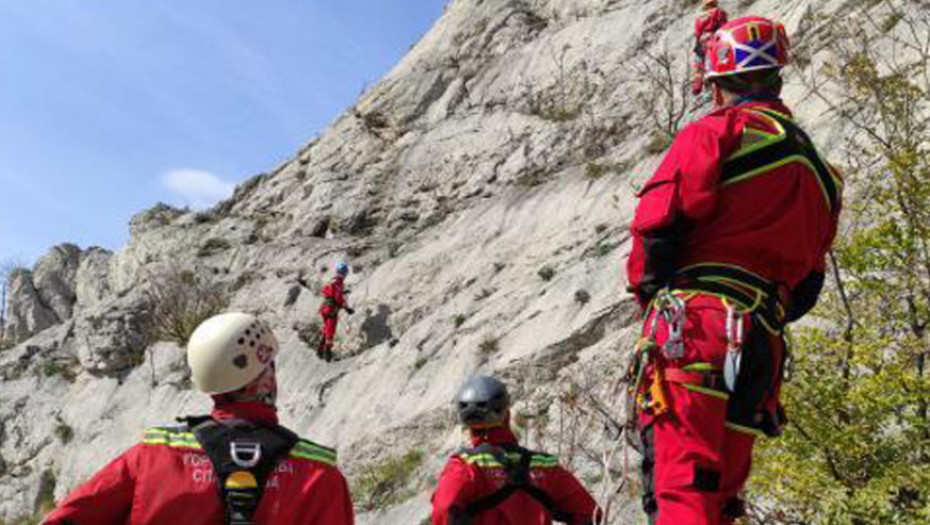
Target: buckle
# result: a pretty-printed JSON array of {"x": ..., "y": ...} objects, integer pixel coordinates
[{"x": 245, "y": 455}]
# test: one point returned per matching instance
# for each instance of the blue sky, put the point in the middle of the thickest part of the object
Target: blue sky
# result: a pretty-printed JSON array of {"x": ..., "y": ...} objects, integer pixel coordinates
[{"x": 109, "y": 106}]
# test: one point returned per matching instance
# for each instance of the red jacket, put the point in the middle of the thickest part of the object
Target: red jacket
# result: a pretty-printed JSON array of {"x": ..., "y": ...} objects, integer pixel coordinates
[
  {"x": 777, "y": 223},
  {"x": 468, "y": 477},
  {"x": 709, "y": 22},
  {"x": 168, "y": 480},
  {"x": 334, "y": 297}
]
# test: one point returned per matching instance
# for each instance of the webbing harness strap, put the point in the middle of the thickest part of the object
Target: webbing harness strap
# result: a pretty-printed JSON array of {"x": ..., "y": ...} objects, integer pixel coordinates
[
  {"x": 749, "y": 290},
  {"x": 792, "y": 144},
  {"x": 518, "y": 479},
  {"x": 243, "y": 457}
]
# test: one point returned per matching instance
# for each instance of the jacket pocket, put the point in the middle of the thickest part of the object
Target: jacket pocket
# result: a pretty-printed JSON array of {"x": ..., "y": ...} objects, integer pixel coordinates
[{"x": 658, "y": 204}]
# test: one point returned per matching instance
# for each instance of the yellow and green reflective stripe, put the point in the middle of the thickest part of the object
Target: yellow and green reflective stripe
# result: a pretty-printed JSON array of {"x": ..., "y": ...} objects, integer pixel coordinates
[
  {"x": 705, "y": 390},
  {"x": 699, "y": 367},
  {"x": 544, "y": 462},
  {"x": 744, "y": 430},
  {"x": 314, "y": 452},
  {"x": 487, "y": 460},
  {"x": 765, "y": 139},
  {"x": 171, "y": 437}
]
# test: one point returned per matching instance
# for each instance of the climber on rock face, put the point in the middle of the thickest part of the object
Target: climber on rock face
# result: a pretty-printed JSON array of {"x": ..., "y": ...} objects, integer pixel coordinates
[
  {"x": 711, "y": 19},
  {"x": 236, "y": 466},
  {"x": 730, "y": 239},
  {"x": 334, "y": 299},
  {"x": 498, "y": 482}
]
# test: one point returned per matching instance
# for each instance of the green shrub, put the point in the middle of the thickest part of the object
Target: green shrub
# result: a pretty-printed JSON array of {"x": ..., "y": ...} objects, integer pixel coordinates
[
  {"x": 64, "y": 432},
  {"x": 582, "y": 297},
  {"x": 65, "y": 368},
  {"x": 594, "y": 170},
  {"x": 459, "y": 319},
  {"x": 204, "y": 217},
  {"x": 385, "y": 483},
  {"x": 213, "y": 246},
  {"x": 891, "y": 21},
  {"x": 658, "y": 143},
  {"x": 546, "y": 273},
  {"x": 489, "y": 345}
]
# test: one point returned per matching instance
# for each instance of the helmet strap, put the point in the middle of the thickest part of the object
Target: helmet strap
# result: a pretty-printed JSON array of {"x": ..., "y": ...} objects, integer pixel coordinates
[{"x": 263, "y": 389}]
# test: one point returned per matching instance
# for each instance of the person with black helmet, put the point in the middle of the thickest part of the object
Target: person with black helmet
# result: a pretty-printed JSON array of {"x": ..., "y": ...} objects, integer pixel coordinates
[{"x": 499, "y": 482}]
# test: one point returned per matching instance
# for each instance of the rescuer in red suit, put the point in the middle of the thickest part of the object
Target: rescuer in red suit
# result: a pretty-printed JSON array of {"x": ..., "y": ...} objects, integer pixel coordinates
[
  {"x": 729, "y": 244},
  {"x": 236, "y": 466},
  {"x": 707, "y": 23},
  {"x": 334, "y": 299},
  {"x": 497, "y": 482}
]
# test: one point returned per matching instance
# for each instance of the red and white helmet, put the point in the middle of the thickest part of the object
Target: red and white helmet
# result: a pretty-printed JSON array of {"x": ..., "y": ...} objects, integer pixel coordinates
[{"x": 746, "y": 44}]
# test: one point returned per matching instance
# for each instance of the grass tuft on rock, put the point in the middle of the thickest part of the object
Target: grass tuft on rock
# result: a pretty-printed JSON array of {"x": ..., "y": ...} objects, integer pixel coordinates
[{"x": 385, "y": 483}]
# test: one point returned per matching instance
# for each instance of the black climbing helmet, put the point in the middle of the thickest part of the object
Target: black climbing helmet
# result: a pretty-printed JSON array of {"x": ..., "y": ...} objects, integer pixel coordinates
[{"x": 482, "y": 401}]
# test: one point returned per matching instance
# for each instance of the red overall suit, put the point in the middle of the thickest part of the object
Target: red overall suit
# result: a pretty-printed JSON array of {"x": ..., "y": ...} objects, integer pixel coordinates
[
  {"x": 706, "y": 24},
  {"x": 737, "y": 222},
  {"x": 472, "y": 475},
  {"x": 334, "y": 299},
  {"x": 168, "y": 480}
]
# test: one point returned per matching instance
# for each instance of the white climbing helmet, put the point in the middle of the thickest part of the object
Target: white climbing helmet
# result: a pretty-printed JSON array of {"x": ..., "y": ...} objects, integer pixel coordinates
[{"x": 228, "y": 351}]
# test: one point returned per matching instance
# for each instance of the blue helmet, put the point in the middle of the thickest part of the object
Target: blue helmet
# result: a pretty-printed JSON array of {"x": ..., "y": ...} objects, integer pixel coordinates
[{"x": 342, "y": 269}]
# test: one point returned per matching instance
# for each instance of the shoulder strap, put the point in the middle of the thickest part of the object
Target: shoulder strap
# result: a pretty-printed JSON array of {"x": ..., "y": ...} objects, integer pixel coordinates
[
  {"x": 518, "y": 479},
  {"x": 243, "y": 457},
  {"x": 791, "y": 145}
]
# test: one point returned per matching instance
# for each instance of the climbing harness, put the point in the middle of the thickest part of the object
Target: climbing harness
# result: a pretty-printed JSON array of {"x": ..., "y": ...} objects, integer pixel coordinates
[
  {"x": 243, "y": 455},
  {"x": 517, "y": 463}
]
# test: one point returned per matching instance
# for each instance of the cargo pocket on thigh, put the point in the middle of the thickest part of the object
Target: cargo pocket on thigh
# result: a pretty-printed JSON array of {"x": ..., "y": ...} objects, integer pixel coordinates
[{"x": 700, "y": 410}]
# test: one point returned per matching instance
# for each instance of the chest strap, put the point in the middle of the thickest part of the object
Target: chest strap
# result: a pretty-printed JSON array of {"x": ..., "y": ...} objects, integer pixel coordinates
[
  {"x": 243, "y": 455},
  {"x": 791, "y": 144},
  {"x": 518, "y": 480}
]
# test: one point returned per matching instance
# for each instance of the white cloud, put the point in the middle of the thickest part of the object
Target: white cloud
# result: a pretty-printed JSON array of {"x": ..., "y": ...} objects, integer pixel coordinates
[{"x": 197, "y": 188}]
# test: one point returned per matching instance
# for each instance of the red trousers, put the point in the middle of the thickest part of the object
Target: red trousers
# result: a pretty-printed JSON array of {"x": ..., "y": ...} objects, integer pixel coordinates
[
  {"x": 329, "y": 328},
  {"x": 695, "y": 462}
]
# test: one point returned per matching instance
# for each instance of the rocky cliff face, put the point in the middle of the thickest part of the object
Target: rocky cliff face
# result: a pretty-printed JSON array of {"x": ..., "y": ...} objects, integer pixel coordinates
[{"x": 482, "y": 191}]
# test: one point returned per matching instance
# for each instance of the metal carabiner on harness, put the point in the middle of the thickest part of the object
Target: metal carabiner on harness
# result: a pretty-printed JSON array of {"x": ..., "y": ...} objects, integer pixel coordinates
[
  {"x": 734, "y": 357},
  {"x": 672, "y": 308}
]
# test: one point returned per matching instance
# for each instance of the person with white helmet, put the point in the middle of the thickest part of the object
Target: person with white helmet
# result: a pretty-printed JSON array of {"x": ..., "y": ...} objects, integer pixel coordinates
[
  {"x": 334, "y": 300},
  {"x": 237, "y": 466}
]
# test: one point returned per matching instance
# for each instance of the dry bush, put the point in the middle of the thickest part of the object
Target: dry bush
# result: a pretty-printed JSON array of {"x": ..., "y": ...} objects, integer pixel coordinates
[
  {"x": 178, "y": 301},
  {"x": 663, "y": 85},
  {"x": 584, "y": 426}
]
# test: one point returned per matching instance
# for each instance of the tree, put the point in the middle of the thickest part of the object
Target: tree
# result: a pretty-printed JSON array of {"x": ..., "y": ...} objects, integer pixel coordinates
[{"x": 858, "y": 447}]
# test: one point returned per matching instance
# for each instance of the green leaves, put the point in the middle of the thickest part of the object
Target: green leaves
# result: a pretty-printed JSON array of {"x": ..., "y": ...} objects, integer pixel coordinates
[{"x": 857, "y": 450}]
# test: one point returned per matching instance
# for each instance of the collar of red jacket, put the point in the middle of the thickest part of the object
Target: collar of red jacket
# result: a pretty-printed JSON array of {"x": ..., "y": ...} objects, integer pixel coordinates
[
  {"x": 492, "y": 436},
  {"x": 249, "y": 411}
]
